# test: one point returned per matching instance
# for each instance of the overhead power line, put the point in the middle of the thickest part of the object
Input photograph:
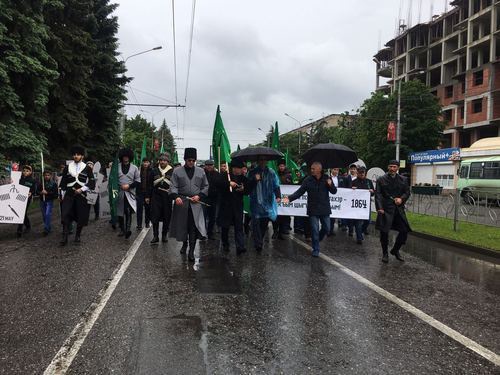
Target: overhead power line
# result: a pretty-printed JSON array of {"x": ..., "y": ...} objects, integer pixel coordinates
[{"x": 175, "y": 65}]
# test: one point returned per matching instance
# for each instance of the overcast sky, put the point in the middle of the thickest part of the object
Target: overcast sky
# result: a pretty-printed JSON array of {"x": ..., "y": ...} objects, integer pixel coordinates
[{"x": 257, "y": 59}]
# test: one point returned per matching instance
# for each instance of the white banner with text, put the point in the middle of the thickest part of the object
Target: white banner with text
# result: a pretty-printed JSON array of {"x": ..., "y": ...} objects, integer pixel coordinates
[{"x": 345, "y": 204}]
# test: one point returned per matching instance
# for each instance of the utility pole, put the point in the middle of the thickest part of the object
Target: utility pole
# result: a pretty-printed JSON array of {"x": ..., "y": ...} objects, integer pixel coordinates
[{"x": 398, "y": 127}]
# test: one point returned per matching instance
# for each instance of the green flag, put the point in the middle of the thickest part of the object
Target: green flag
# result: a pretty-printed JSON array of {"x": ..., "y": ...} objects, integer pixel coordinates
[
  {"x": 238, "y": 148},
  {"x": 144, "y": 151},
  {"x": 176, "y": 157},
  {"x": 113, "y": 188},
  {"x": 292, "y": 167},
  {"x": 221, "y": 147}
]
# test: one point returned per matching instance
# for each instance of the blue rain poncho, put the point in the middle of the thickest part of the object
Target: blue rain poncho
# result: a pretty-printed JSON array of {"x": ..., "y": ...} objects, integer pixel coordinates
[{"x": 263, "y": 197}]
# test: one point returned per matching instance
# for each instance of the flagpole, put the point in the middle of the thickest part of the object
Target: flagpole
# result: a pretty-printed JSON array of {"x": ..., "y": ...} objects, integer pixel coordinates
[{"x": 43, "y": 180}]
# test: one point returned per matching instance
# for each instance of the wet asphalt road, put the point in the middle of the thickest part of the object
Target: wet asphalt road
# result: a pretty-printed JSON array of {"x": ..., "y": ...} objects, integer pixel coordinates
[{"x": 280, "y": 311}]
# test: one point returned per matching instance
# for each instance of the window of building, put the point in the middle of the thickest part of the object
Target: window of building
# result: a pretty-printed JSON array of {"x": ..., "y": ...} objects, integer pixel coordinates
[
  {"x": 478, "y": 78},
  {"x": 447, "y": 115},
  {"x": 477, "y": 106},
  {"x": 445, "y": 180},
  {"x": 462, "y": 112},
  {"x": 448, "y": 92}
]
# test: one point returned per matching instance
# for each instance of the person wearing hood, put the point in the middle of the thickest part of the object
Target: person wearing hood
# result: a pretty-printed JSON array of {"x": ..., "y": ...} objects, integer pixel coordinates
[
  {"x": 77, "y": 178},
  {"x": 129, "y": 179},
  {"x": 189, "y": 185}
]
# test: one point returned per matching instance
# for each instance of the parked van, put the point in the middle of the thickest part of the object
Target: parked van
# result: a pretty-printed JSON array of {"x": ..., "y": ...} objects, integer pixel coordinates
[{"x": 479, "y": 172}]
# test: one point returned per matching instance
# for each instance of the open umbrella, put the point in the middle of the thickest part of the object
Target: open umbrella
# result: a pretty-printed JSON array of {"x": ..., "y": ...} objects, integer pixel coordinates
[
  {"x": 330, "y": 155},
  {"x": 256, "y": 153}
]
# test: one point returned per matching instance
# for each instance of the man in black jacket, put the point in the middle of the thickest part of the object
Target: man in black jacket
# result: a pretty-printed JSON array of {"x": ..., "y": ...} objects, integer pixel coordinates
[
  {"x": 48, "y": 191},
  {"x": 142, "y": 194},
  {"x": 363, "y": 183},
  {"x": 161, "y": 201},
  {"x": 231, "y": 190},
  {"x": 28, "y": 181},
  {"x": 317, "y": 186},
  {"x": 390, "y": 197},
  {"x": 212, "y": 199}
]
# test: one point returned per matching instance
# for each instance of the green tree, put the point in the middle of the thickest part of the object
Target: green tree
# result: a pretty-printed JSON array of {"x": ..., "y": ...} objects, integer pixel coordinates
[
  {"x": 107, "y": 81},
  {"x": 26, "y": 73},
  {"x": 420, "y": 119},
  {"x": 72, "y": 47},
  {"x": 136, "y": 129},
  {"x": 164, "y": 133}
]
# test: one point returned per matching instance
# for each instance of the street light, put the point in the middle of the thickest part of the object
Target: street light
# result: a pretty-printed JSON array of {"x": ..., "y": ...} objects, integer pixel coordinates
[
  {"x": 122, "y": 120},
  {"x": 268, "y": 139},
  {"x": 300, "y": 125}
]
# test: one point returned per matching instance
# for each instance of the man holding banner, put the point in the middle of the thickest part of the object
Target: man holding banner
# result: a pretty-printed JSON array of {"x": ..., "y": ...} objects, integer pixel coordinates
[{"x": 317, "y": 186}]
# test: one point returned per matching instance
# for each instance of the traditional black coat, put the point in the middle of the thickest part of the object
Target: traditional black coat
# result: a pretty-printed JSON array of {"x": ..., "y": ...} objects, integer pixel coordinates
[
  {"x": 389, "y": 188},
  {"x": 75, "y": 206},
  {"x": 161, "y": 201},
  {"x": 182, "y": 186},
  {"x": 231, "y": 203}
]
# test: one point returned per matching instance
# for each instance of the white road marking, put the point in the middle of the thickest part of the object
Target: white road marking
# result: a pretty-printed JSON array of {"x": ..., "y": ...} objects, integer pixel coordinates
[
  {"x": 450, "y": 332},
  {"x": 62, "y": 360}
]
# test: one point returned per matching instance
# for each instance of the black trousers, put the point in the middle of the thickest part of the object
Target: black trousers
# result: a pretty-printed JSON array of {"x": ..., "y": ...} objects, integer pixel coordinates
[
  {"x": 399, "y": 225},
  {"x": 193, "y": 232},
  {"x": 26, "y": 222},
  {"x": 161, "y": 210},
  {"x": 125, "y": 221}
]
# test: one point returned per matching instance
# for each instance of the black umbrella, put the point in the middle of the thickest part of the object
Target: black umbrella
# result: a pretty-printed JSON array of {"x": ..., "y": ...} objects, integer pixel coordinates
[
  {"x": 256, "y": 153},
  {"x": 330, "y": 155}
]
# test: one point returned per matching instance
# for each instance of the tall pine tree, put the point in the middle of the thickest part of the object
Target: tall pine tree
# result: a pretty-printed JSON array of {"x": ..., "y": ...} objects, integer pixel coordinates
[
  {"x": 26, "y": 72},
  {"x": 72, "y": 47},
  {"x": 107, "y": 81}
]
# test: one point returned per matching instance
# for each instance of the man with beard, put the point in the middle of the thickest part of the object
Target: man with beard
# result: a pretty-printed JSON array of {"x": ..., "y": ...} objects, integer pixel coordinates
[
  {"x": 232, "y": 190},
  {"x": 188, "y": 187},
  {"x": 77, "y": 178},
  {"x": 211, "y": 209},
  {"x": 390, "y": 196},
  {"x": 143, "y": 194},
  {"x": 129, "y": 178},
  {"x": 161, "y": 201}
]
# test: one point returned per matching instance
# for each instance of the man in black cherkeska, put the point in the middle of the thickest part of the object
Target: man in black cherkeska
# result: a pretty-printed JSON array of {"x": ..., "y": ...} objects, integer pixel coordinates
[
  {"x": 77, "y": 178},
  {"x": 143, "y": 194},
  {"x": 390, "y": 196},
  {"x": 231, "y": 190},
  {"x": 211, "y": 209},
  {"x": 28, "y": 181},
  {"x": 161, "y": 202}
]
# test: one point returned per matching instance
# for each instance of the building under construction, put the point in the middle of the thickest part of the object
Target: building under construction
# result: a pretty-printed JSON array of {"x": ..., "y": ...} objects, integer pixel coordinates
[{"x": 457, "y": 55}]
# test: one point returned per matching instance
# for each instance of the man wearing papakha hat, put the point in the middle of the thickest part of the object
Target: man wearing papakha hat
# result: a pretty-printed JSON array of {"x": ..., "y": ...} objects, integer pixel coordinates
[
  {"x": 76, "y": 179},
  {"x": 161, "y": 202},
  {"x": 129, "y": 179},
  {"x": 189, "y": 185},
  {"x": 231, "y": 189},
  {"x": 390, "y": 196}
]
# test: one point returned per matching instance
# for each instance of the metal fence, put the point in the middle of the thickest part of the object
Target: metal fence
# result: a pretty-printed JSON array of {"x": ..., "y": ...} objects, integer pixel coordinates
[{"x": 479, "y": 207}]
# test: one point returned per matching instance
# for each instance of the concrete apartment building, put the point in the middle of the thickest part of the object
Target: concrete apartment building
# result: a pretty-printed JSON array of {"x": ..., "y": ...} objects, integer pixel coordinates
[
  {"x": 457, "y": 55},
  {"x": 329, "y": 121}
]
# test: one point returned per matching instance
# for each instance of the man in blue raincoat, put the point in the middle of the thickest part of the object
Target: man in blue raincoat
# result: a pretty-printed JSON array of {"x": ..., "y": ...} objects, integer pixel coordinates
[{"x": 264, "y": 200}]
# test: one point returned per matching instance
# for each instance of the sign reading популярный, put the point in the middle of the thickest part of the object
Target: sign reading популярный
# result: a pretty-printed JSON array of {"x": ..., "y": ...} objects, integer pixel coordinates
[{"x": 435, "y": 156}]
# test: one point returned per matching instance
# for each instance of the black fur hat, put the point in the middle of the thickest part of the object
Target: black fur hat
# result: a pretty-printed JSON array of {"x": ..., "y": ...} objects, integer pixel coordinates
[
  {"x": 77, "y": 149},
  {"x": 126, "y": 152},
  {"x": 190, "y": 153}
]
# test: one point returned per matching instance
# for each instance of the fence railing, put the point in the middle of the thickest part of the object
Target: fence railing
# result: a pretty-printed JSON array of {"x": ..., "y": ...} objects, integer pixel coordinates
[{"x": 479, "y": 207}]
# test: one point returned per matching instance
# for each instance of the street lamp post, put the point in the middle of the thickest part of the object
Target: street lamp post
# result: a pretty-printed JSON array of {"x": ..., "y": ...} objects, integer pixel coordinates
[
  {"x": 300, "y": 125},
  {"x": 122, "y": 119},
  {"x": 267, "y": 138},
  {"x": 398, "y": 127}
]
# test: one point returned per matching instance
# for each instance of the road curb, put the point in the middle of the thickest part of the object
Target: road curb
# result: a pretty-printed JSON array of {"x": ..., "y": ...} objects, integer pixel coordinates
[{"x": 461, "y": 245}]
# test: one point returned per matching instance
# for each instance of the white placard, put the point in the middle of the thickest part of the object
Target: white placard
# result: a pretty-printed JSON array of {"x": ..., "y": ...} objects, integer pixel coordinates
[
  {"x": 346, "y": 204},
  {"x": 15, "y": 176},
  {"x": 13, "y": 201}
]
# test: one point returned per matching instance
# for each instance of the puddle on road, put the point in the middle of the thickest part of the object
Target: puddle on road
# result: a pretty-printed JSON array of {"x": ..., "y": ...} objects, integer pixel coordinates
[
  {"x": 479, "y": 270},
  {"x": 214, "y": 276}
]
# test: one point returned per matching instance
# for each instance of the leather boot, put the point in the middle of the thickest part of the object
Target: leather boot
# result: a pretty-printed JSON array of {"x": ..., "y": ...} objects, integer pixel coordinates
[
  {"x": 78, "y": 234},
  {"x": 128, "y": 224},
  {"x": 155, "y": 233},
  {"x": 121, "y": 224},
  {"x": 191, "y": 251},
  {"x": 184, "y": 247},
  {"x": 164, "y": 237},
  {"x": 64, "y": 240},
  {"x": 395, "y": 252}
]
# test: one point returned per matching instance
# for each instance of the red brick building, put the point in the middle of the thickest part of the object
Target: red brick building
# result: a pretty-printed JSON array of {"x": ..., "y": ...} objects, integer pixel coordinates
[{"x": 457, "y": 55}]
